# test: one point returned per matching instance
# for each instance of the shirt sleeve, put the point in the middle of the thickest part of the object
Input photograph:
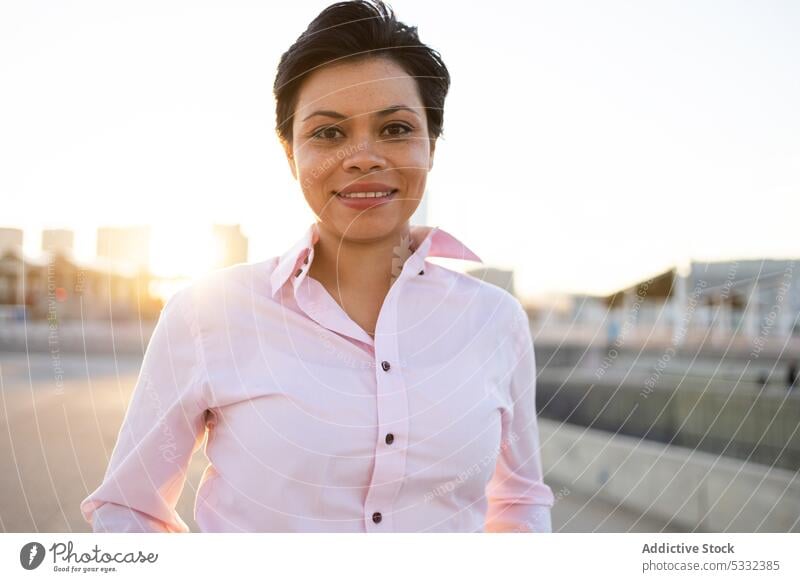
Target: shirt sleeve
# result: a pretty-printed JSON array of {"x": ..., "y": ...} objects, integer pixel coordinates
[
  {"x": 518, "y": 498},
  {"x": 163, "y": 427}
]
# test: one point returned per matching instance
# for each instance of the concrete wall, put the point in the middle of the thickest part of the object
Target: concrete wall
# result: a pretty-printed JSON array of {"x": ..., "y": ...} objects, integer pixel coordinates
[{"x": 695, "y": 490}]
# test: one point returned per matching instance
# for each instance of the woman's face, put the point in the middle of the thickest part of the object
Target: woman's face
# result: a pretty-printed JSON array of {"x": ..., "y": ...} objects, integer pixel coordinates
[{"x": 355, "y": 124}]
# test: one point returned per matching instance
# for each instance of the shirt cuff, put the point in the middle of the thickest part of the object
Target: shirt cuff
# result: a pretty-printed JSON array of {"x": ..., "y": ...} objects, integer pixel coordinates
[
  {"x": 114, "y": 518},
  {"x": 518, "y": 519}
]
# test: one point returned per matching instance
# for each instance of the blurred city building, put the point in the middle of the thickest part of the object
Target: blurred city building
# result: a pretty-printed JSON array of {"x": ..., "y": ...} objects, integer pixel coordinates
[
  {"x": 10, "y": 239},
  {"x": 126, "y": 245},
  {"x": 55, "y": 286},
  {"x": 115, "y": 285},
  {"x": 712, "y": 300},
  {"x": 59, "y": 240}
]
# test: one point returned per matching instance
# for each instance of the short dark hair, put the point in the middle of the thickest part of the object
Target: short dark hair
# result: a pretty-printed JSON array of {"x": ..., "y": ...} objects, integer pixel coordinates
[{"x": 355, "y": 30}]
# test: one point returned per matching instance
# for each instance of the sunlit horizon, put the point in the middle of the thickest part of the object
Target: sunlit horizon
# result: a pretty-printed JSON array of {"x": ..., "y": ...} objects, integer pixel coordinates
[{"x": 188, "y": 253}]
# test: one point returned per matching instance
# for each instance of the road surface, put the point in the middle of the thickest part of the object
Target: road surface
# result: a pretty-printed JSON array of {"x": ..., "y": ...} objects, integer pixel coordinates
[{"x": 56, "y": 436}]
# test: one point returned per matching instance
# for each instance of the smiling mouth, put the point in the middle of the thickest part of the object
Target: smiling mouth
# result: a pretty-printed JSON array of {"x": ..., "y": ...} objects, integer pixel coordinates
[{"x": 361, "y": 195}]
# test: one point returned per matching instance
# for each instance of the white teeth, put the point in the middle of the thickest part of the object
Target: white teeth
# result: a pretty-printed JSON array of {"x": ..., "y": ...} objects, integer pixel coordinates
[{"x": 365, "y": 195}]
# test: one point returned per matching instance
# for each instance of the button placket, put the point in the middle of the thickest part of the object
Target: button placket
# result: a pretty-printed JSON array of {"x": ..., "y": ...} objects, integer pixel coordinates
[{"x": 392, "y": 403}]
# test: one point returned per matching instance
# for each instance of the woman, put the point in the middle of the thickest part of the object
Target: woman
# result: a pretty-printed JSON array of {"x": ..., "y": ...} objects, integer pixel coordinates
[{"x": 347, "y": 385}]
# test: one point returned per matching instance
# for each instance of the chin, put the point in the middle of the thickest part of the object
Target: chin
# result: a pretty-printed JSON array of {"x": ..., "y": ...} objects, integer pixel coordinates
[{"x": 365, "y": 228}]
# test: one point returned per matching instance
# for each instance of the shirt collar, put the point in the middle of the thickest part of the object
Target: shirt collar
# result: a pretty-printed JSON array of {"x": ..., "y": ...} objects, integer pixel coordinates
[{"x": 426, "y": 241}]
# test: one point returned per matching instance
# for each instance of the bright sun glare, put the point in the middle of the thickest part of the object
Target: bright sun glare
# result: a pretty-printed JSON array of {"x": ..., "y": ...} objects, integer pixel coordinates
[{"x": 186, "y": 251}]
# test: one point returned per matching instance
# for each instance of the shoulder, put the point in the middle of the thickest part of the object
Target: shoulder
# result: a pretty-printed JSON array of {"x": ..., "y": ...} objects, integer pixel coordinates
[{"x": 484, "y": 298}]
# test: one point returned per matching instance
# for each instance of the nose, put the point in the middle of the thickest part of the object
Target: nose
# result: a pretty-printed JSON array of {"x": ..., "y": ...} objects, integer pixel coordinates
[{"x": 364, "y": 156}]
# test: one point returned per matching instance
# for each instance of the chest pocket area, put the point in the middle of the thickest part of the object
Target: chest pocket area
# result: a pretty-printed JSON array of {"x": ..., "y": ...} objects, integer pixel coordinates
[{"x": 455, "y": 413}]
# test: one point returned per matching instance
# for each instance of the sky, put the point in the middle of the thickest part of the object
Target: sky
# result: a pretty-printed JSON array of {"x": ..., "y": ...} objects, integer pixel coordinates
[{"x": 587, "y": 145}]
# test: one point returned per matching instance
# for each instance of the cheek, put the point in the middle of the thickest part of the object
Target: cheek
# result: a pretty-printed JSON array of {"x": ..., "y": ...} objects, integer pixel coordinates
[
  {"x": 313, "y": 169},
  {"x": 417, "y": 171},
  {"x": 415, "y": 164}
]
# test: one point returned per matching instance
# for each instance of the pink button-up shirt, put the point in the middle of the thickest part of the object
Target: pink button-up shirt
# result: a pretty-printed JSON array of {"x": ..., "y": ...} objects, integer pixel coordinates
[{"x": 314, "y": 426}]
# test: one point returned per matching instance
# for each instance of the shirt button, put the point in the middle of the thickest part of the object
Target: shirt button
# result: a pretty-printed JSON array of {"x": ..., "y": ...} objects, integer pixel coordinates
[
  {"x": 385, "y": 365},
  {"x": 376, "y": 517},
  {"x": 389, "y": 438}
]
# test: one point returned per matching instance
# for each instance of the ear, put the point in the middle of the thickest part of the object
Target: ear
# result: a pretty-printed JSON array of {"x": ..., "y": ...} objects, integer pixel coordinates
[
  {"x": 287, "y": 148},
  {"x": 433, "y": 149}
]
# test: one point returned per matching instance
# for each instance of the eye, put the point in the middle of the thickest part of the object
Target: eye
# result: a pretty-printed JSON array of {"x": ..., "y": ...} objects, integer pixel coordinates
[
  {"x": 405, "y": 129},
  {"x": 319, "y": 133}
]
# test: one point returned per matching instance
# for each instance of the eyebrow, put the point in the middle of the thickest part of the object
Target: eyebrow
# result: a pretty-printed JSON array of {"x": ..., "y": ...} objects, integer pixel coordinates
[{"x": 381, "y": 113}]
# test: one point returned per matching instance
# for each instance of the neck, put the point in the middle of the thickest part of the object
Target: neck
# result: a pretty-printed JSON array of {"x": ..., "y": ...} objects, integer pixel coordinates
[{"x": 367, "y": 268}]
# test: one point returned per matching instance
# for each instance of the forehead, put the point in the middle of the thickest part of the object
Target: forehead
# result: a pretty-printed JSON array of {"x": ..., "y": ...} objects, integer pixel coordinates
[{"x": 357, "y": 87}]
